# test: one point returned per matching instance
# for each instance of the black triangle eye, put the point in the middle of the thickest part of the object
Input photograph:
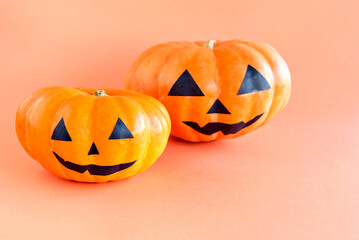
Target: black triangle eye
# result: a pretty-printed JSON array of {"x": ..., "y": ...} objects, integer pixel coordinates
[
  {"x": 60, "y": 132},
  {"x": 185, "y": 86},
  {"x": 253, "y": 82},
  {"x": 120, "y": 131}
]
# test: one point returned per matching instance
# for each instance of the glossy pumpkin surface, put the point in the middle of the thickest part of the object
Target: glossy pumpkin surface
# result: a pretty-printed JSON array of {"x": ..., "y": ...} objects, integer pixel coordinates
[
  {"x": 81, "y": 136},
  {"x": 214, "y": 89}
]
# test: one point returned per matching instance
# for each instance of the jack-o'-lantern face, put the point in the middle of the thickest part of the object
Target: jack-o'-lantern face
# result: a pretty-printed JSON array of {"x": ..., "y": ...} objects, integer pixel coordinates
[
  {"x": 97, "y": 138},
  {"x": 90, "y": 135},
  {"x": 219, "y": 109},
  {"x": 215, "y": 89},
  {"x": 119, "y": 132},
  {"x": 252, "y": 83}
]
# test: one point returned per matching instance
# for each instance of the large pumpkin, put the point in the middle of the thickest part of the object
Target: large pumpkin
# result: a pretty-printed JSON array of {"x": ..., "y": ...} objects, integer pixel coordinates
[
  {"x": 90, "y": 136},
  {"x": 213, "y": 90}
]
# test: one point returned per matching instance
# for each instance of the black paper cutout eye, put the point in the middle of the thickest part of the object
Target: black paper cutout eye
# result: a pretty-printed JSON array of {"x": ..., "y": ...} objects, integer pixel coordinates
[
  {"x": 120, "y": 131},
  {"x": 185, "y": 86},
  {"x": 60, "y": 132},
  {"x": 253, "y": 82}
]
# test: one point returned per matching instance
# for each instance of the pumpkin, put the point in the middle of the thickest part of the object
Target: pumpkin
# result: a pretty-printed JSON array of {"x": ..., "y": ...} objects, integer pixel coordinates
[
  {"x": 92, "y": 136},
  {"x": 215, "y": 89}
]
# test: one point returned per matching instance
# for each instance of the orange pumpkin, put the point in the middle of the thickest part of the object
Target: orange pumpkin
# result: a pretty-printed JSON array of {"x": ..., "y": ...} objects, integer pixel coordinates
[
  {"x": 90, "y": 136},
  {"x": 215, "y": 89}
]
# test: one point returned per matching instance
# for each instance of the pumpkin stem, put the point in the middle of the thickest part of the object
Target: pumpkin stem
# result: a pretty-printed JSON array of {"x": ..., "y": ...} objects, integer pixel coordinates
[
  {"x": 210, "y": 44},
  {"x": 100, "y": 93}
]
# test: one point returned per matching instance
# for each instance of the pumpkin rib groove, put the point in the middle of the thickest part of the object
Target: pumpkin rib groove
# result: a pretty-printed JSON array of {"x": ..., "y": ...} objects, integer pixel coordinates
[
  {"x": 274, "y": 86},
  {"x": 26, "y": 122},
  {"x": 118, "y": 100},
  {"x": 154, "y": 53},
  {"x": 27, "y": 119},
  {"x": 59, "y": 166},
  {"x": 219, "y": 68},
  {"x": 148, "y": 126},
  {"x": 195, "y": 54},
  {"x": 92, "y": 130},
  {"x": 251, "y": 112},
  {"x": 162, "y": 118},
  {"x": 141, "y": 169},
  {"x": 155, "y": 104},
  {"x": 160, "y": 70},
  {"x": 184, "y": 109},
  {"x": 169, "y": 56},
  {"x": 235, "y": 49},
  {"x": 30, "y": 112},
  {"x": 134, "y": 104},
  {"x": 21, "y": 118},
  {"x": 165, "y": 63},
  {"x": 273, "y": 79},
  {"x": 218, "y": 84},
  {"x": 275, "y": 59}
]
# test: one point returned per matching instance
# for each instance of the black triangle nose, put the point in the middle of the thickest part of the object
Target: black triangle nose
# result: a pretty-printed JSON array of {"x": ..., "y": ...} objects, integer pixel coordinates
[
  {"x": 218, "y": 107},
  {"x": 93, "y": 149}
]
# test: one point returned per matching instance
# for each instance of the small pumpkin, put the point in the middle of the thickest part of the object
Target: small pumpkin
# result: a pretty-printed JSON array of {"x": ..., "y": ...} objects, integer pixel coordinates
[
  {"x": 92, "y": 136},
  {"x": 215, "y": 89}
]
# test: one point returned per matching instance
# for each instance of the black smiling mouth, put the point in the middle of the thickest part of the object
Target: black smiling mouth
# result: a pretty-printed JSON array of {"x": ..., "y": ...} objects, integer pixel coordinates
[
  {"x": 225, "y": 128},
  {"x": 94, "y": 169}
]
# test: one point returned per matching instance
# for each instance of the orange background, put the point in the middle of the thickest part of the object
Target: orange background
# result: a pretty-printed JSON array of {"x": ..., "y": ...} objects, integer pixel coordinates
[{"x": 295, "y": 178}]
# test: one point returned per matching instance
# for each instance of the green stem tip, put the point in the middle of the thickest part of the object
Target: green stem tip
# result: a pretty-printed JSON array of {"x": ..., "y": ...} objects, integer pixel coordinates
[{"x": 100, "y": 93}]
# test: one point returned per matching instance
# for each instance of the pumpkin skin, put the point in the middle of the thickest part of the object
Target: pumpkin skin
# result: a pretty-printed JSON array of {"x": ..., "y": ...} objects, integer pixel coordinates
[
  {"x": 215, "y": 89},
  {"x": 79, "y": 136}
]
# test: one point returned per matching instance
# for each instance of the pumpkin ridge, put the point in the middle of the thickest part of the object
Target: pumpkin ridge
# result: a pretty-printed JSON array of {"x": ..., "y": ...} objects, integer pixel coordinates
[
  {"x": 30, "y": 111},
  {"x": 274, "y": 84},
  {"x": 169, "y": 56},
  {"x": 92, "y": 124},
  {"x": 218, "y": 80},
  {"x": 237, "y": 45},
  {"x": 48, "y": 92},
  {"x": 160, "y": 70},
  {"x": 21, "y": 118},
  {"x": 162, "y": 118},
  {"x": 184, "y": 111},
  {"x": 271, "y": 70},
  {"x": 227, "y": 46},
  {"x": 155, "y": 52},
  {"x": 149, "y": 138},
  {"x": 274, "y": 59},
  {"x": 82, "y": 93}
]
